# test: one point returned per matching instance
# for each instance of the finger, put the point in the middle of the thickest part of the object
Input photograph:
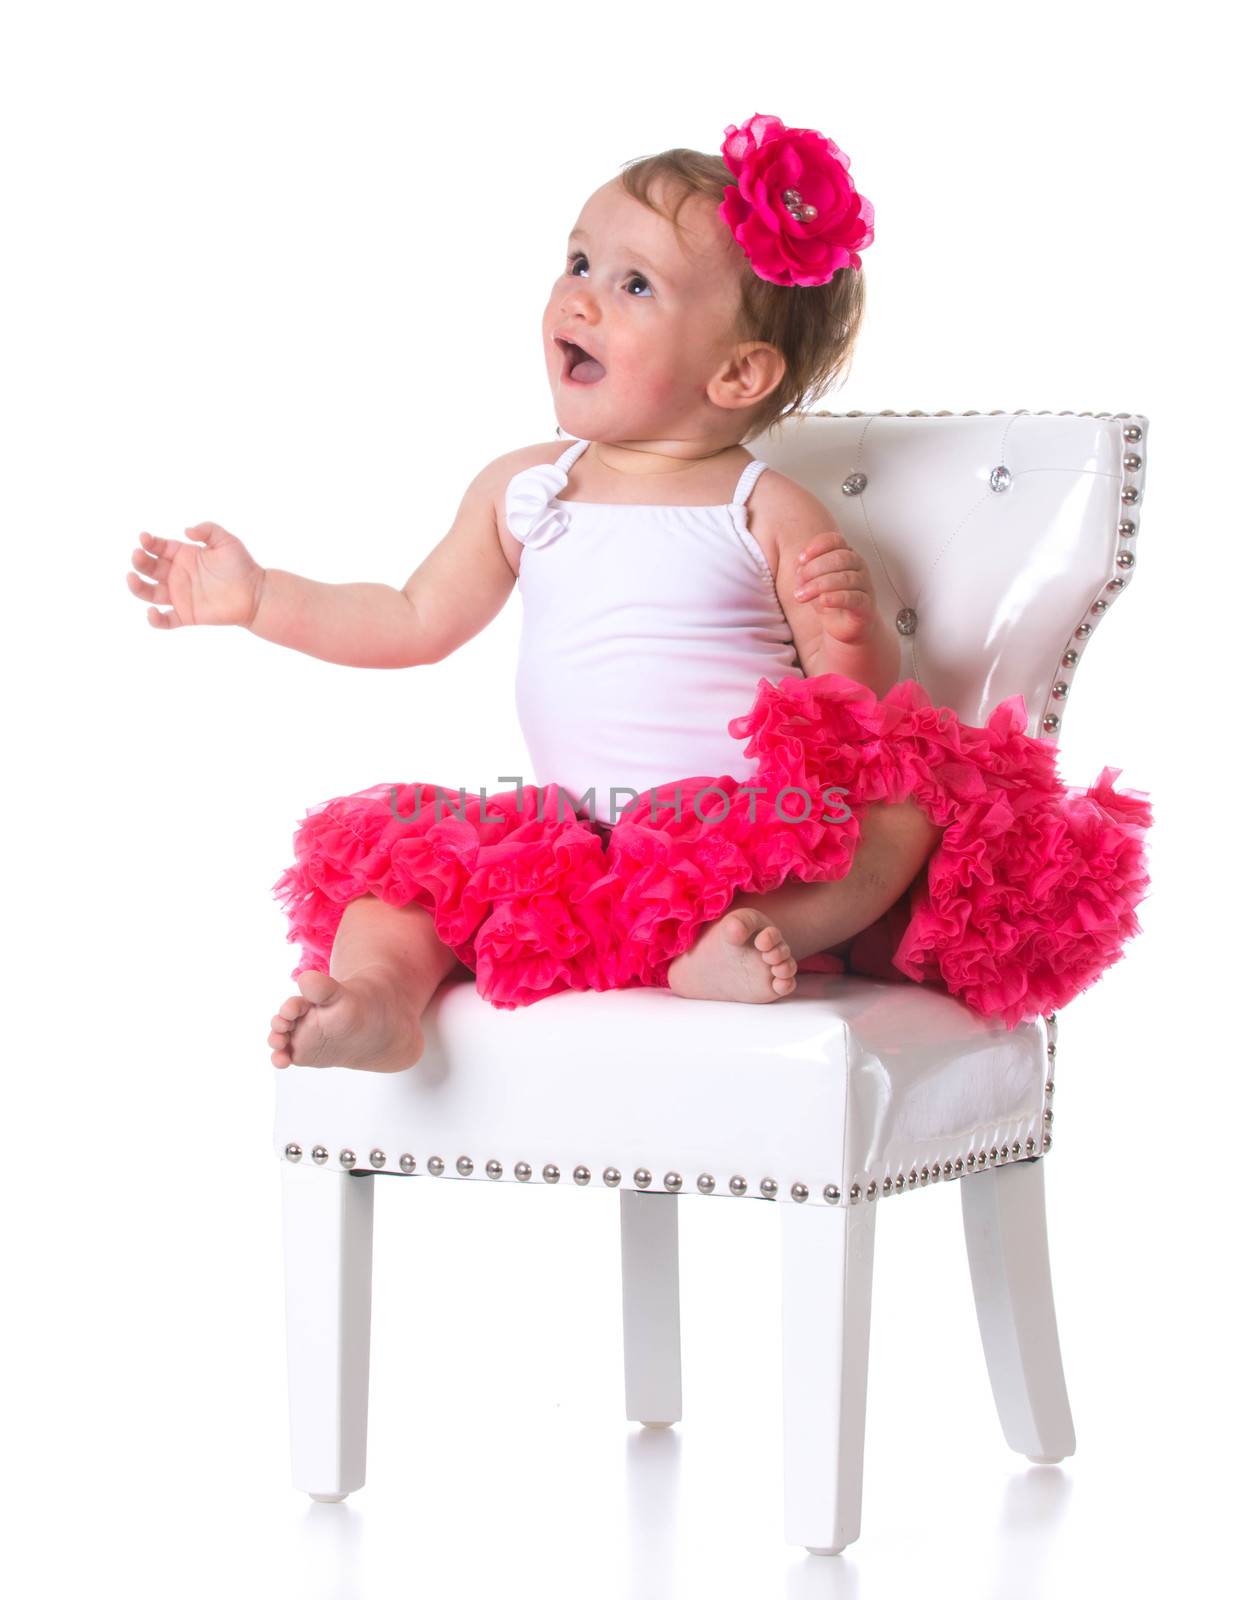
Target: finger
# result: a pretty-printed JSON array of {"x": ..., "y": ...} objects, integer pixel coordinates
[
  {"x": 152, "y": 566},
  {"x": 844, "y": 558},
  {"x": 163, "y": 619},
  {"x": 851, "y": 577},
  {"x": 208, "y": 533},
  {"x": 847, "y": 578},
  {"x": 847, "y": 599},
  {"x": 156, "y": 592},
  {"x": 820, "y": 544},
  {"x": 160, "y": 547}
]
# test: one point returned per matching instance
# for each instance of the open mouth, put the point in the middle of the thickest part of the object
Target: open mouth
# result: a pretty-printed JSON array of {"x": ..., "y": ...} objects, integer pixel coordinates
[{"x": 580, "y": 365}]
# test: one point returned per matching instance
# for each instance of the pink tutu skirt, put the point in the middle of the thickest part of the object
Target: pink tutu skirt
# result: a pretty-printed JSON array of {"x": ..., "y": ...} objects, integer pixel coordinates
[{"x": 1028, "y": 896}]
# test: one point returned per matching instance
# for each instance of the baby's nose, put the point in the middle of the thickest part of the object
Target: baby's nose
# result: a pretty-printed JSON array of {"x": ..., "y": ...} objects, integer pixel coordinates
[{"x": 579, "y": 302}]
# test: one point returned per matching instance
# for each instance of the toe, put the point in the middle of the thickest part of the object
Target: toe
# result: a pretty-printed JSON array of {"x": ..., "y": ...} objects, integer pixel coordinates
[
  {"x": 772, "y": 954},
  {"x": 739, "y": 924},
  {"x": 293, "y": 1007},
  {"x": 318, "y": 987},
  {"x": 783, "y": 985},
  {"x": 784, "y": 969}
]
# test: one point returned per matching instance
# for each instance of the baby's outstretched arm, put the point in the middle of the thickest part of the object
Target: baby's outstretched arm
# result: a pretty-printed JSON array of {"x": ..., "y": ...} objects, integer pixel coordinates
[{"x": 455, "y": 591}]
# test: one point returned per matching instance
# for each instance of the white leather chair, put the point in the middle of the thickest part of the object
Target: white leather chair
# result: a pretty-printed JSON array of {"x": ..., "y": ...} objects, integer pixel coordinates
[{"x": 998, "y": 541}]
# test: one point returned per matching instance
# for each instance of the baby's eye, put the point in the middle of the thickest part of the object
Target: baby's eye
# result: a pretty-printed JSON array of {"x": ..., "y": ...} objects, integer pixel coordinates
[{"x": 634, "y": 277}]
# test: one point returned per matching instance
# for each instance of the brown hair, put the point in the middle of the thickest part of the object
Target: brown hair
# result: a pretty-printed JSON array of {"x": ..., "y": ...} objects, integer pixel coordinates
[{"x": 814, "y": 327}]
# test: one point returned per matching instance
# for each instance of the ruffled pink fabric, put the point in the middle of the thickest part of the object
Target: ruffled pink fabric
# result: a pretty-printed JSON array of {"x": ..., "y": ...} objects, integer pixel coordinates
[{"x": 1028, "y": 897}]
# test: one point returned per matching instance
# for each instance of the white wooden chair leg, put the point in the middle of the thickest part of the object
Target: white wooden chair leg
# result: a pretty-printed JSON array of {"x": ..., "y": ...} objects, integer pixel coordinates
[
  {"x": 827, "y": 1293},
  {"x": 327, "y": 1255},
  {"x": 651, "y": 1307},
  {"x": 1008, "y": 1254}
]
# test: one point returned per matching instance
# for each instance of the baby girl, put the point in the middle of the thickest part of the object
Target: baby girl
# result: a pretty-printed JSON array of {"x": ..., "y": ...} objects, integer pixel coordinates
[{"x": 670, "y": 581}]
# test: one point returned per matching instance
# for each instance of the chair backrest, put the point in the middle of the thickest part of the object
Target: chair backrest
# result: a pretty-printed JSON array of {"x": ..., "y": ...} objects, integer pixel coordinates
[{"x": 998, "y": 540}]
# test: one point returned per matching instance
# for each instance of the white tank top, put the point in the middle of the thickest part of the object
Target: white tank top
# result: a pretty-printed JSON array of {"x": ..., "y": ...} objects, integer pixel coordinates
[{"x": 645, "y": 630}]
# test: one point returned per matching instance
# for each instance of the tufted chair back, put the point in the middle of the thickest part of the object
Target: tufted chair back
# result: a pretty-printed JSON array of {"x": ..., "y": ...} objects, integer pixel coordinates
[{"x": 996, "y": 540}]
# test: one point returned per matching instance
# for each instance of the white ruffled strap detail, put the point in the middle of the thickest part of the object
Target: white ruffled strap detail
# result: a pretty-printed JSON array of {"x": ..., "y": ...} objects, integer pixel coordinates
[{"x": 530, "y": 518}]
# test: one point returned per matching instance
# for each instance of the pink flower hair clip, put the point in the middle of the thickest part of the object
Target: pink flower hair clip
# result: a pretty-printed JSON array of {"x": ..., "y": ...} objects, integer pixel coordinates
[{"x": 793, "y": 208}]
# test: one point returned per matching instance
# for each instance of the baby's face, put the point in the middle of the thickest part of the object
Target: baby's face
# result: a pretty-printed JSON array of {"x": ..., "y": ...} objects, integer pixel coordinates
[{"x": 657, "y": 314}]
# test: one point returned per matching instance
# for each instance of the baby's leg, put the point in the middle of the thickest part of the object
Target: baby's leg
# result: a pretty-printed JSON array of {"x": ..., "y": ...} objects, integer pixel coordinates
[
  {"x": 385, "y": 966},
  {"x": 750, "y": 953}
]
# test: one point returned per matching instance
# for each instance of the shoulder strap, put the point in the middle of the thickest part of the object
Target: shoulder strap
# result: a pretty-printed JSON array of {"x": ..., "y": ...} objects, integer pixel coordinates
[
  {"x": 528, "y": 515},
  {"x": 747, "y": 480},
  {"x": 566, "y": 461}
]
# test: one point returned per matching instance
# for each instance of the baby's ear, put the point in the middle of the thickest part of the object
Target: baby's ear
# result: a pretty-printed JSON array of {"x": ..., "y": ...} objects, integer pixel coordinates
[{"x": 752, "y": 370}]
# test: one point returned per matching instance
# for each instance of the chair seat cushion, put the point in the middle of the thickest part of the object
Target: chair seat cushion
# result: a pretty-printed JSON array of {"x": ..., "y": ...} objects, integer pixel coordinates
[{"x": 846, "y": 1089}]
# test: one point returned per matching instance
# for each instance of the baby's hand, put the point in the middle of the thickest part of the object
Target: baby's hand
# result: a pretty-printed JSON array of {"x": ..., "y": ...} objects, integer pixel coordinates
[
  {"x": 838, "y": 581},
  {"x": 214, "y": 581}
]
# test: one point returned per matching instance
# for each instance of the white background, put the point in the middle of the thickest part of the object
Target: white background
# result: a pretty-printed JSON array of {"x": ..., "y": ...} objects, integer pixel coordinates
[{"x": 282, "y": 267}]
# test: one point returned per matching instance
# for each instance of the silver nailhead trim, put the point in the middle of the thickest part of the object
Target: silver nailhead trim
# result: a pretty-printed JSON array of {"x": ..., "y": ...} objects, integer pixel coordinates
[
  {"x": 738, "y": 1185},
  {"x": 1133, "y": 432},
  {"x": 1132, "y": 461}
]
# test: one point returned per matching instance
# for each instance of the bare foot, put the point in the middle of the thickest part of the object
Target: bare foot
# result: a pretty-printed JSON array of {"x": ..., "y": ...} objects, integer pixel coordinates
[
  {"x": 364, "y": 1021},
  {"x": 741, "y": 956}
]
